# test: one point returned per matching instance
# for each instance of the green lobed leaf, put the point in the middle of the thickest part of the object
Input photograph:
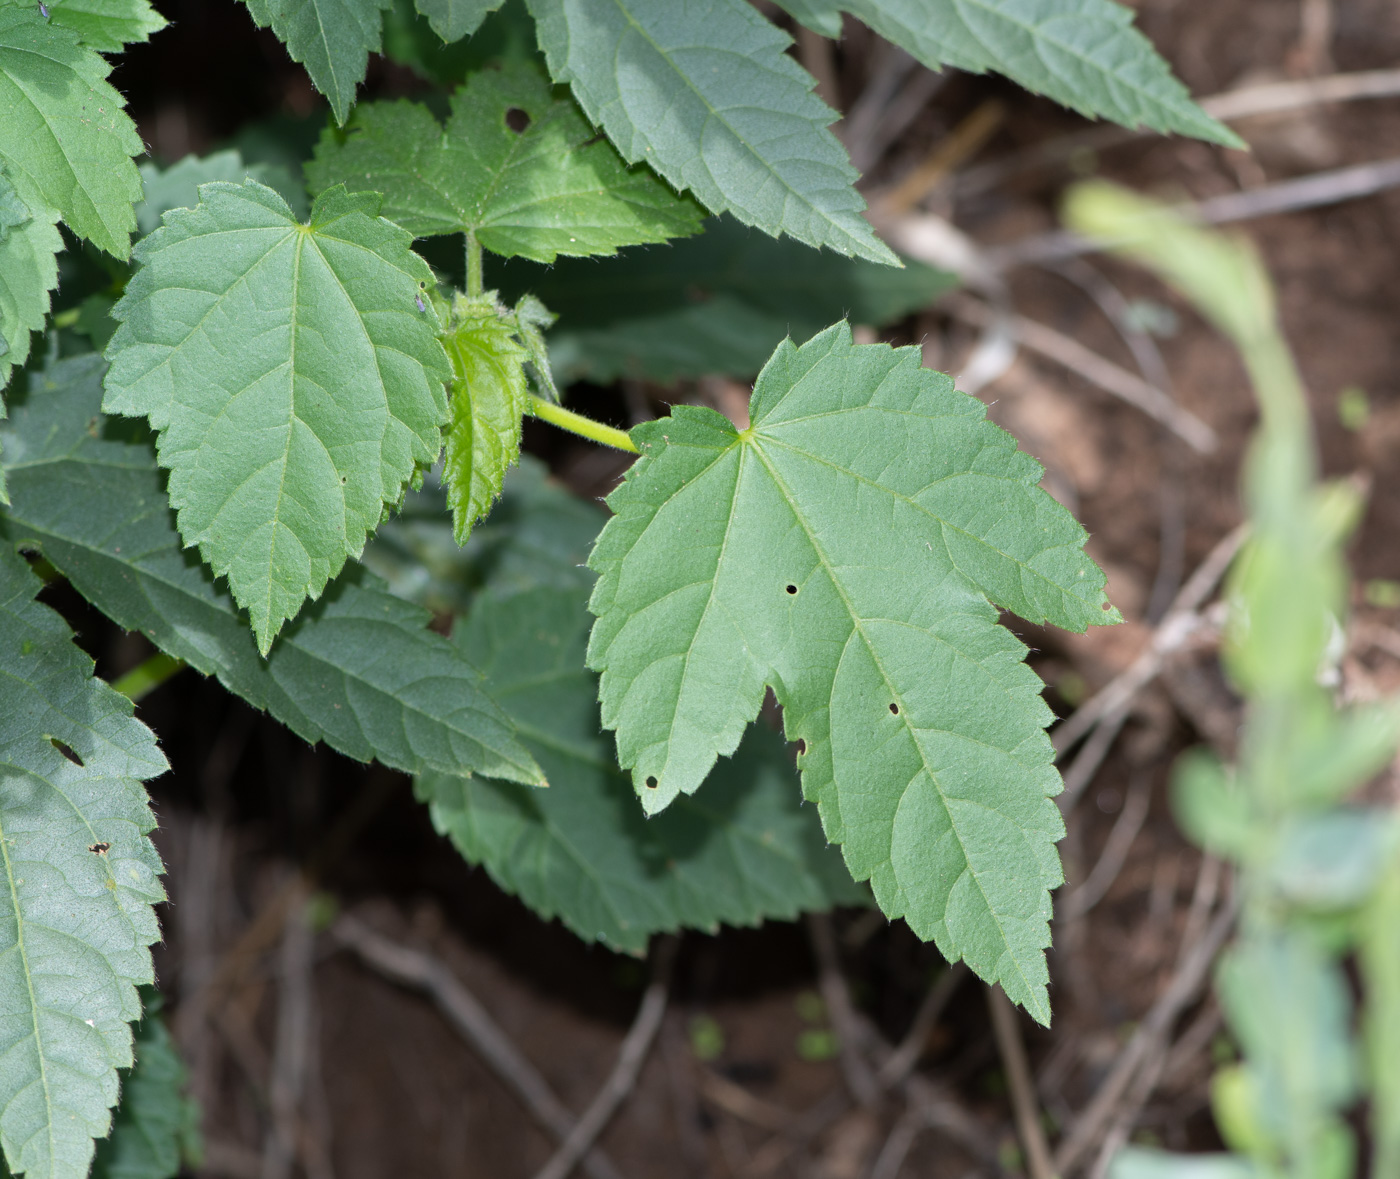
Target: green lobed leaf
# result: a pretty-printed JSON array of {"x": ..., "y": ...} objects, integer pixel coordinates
[
  {"x": 545, "y": 189},
  {"x": 331, "y": 38},
  {"x": 294, "y": 376},
  {"x": 1084, "y": 54},
  {"x": 80, "y": 883},
  {"x": 29, "y": 246},
  {"x": 707, "y": 95},
  {"x": 65, "y": 138},
  {"x": 177, "y": 187},
  {"x": 360, "y": 670},
  {"x": 454, "y": 19},
  {"x": 718, "y": 303},
  {"x": 843, "y": 551},
  {"x": 153, "y": 1121},
  {"x": 106, "y": 25},
  {"x": 488, "y": 402},
  {"x": 583, "y": 850}
]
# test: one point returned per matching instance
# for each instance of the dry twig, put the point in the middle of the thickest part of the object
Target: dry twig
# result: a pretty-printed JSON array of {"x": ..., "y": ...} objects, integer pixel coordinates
[
  {"x": 1115, "y": 852},
  {"x": 854, "y": 1067},
  {"x": 902, "y": 1060},
  {"x": 295, "y": 1027},
  {"x": 1018, "y": 1077}
]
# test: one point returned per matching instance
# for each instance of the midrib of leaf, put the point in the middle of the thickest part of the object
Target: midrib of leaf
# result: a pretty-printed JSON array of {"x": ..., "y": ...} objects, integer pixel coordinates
[
  {"x": 857, "y": 624},
  {"x": 29, "y": 984},
  {"x": 714, "y": 114}
]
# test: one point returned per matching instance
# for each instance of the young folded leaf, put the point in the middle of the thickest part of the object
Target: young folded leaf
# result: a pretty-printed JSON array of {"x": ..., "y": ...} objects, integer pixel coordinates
[
  {"x": 707, "y": 95},
  {"x": 488, "y": 403},
  {"x": 295, "y": 377},
  {"x": 331, "y": 38},
  {"x": 516, "y": 166},
  {"x": 81, "y": 880},
  {"x": 360, "y": 670},
  {"x": 582, "y": 850},
  {"x": 65, "y": 139},
  {"x": 846, "y": 551},
  {"x": 1082, "y": 53}
]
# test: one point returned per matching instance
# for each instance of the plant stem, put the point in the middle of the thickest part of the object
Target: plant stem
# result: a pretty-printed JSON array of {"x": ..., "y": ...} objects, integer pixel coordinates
[
  {"x": 576, "y": 423},
  {"x": 147, "y": 676},
  {"x": 475, "y": 284}
]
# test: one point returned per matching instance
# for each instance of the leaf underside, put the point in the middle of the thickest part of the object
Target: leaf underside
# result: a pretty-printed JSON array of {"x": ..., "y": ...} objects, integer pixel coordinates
[
  {"x": 331, "y": 38},
  {"x": 583, "y": 851},
  {"x": 293, "y": 377},
  {"x": 516, "y": 166},
  {"x": 65, "y": 140},
  {"x": 360, "y": 670},
  {"x": 454, "y": 19},
  {"x": 707, "y": 95},
  {"x": 79, "y": 885},
  {"x": 846, "y": 551},
  {"x": 1085, "y": 54}
]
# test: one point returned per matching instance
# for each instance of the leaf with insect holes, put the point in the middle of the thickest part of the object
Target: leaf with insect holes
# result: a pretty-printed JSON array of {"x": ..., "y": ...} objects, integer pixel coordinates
[
  {"x": 293, "y": 378},
  {"x": 707, "y": 95},
  {"x": 514, "y": 165},
  {"x": 583, "y": 850},
  {"x": 359, "y": 670},
  {"x": 846, "y": 551},
  {"x": 488, "y": 403},
  {"x": 454, "y": 19},
  {"x": 1084, "y": 54},
  {"x": 65, "y": 140},
  {"x": 331, "y": 38},
  {"x": 106, "y": 25},
  {"x": 80, "y": 882}
]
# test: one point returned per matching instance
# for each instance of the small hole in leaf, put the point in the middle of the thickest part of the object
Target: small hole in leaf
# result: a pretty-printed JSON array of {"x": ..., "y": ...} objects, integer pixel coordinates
[
  {"x": 801, "y": 747},
  {"x": 792, "y": 589},
  {"x": 100, "y": 848},
  {"x": 1108, "y": 606},
  {"x": 894, "y": 708},
  {"x": 651, "y": 783},
  {"x": 517, "y": 120},
  {"x": 66, "y": 750}
]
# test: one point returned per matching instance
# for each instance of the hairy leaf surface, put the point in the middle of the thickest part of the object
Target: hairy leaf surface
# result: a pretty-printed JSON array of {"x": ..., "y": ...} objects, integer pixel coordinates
[
  {"x": 80, "y": 879},
  {"x": 542, "y": 187},
  {"x": 706, "y": 94},
  {"x": 583, "y": 850},
  {"x": 488, "y": 402},
  {"x": 1082, "y": 53},
  {"x": 294, "y": 377},
  {"x": 360, "y": 670},
  {"x": 846, "y": 550},
  {"x": 65, "y": 139},
  {"x": 454, "y": 19},
  {"x": 106, "y": 25},
  {"x": 29, "y": 246},
  {"x": 718, "y": 303},
  {"x": 331, "y": 38},
  {"x": 154, "y": 1120}
]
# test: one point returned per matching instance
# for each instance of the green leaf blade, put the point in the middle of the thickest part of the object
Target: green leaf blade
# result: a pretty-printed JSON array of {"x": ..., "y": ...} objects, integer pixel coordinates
[
  {"x": 108, "y": 25},
  {"x": 295, "y": 383},
  {"x": 454, "y": 19},
  {"x": 846, "y": 551},
  {"x": 709, "y": 98},
  {"x": 536, "y": 191},
  {"x": 76, "y": 917},
  {"x": 29, "y": 247},
  {"x": 360, "y": 670},
  {"x": 65, "y": 138}
]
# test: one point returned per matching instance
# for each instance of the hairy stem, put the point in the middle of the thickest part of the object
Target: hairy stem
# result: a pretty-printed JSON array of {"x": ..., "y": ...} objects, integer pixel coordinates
[
  {"x": 576, "y": 423},
  {"x": 475, "y": 283}
]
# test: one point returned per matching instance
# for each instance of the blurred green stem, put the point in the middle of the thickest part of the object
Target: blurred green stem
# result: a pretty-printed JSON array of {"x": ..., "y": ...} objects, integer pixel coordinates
[{"x": 147, "y": 676}]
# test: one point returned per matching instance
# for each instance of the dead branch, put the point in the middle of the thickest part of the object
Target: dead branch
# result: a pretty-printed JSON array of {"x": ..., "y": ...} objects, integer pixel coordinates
[{"x": 1018, "y": 1075}]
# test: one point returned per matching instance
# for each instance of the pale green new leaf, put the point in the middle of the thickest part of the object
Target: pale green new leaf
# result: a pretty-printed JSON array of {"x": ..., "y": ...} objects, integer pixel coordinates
[
  {"x": 707, "y": 95},
  {"x": 454, "y": 19},
  {"x": 718, "y": 303},
  {"x": 331, "y": 38},
  {"x": 177, "y": 187},
  {"x": 1082, "y": 53},
  {"x": 153, "y": 1121},
  {"x": 106, "y": 25},
  {"x": 549, "y": 188},
  {"x": 80, "y": 879},
  {"x": 846, "y": 551},
  {"x": 65, "y": 139},
  {"x": 29, "y": 246},
  {"x": 488, "y": 402},
  {"x": 1380, "y": 965},
  {"x": 359, "y": 670},
  {"x": 294, "y": 378},
  {"x": 583, "y": 850}
]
